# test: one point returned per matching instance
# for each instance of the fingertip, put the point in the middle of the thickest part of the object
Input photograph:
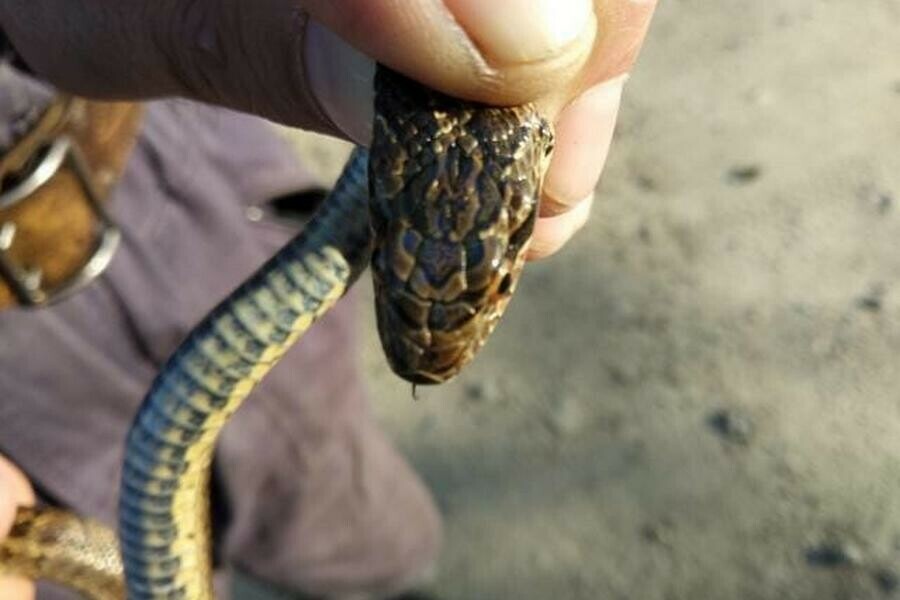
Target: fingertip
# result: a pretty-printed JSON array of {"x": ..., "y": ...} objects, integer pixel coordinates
[
  {"x": 526, "y": 51},
  {"x": 15, "y": 485},
  {"x": 16, "y": 588},
  {"x": 15, "y": 491},
  {"x": 9, "y": 500},
  {"x": 521, "y": 31},
  {"x": 552, "y": 233},
  {"x": 624, "y": 24},
  {"x": 7, "y": 508}
]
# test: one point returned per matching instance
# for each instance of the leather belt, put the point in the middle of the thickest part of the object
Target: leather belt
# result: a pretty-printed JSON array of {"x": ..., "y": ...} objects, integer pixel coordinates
[{"x": 55, "y": 233}]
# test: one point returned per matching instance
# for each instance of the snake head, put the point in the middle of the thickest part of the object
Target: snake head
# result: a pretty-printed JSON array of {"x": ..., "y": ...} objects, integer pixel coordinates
[{"x": 454, "y": 192}]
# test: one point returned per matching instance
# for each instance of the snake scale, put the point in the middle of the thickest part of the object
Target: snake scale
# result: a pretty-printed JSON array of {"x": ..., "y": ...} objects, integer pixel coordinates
[{"x": 442, "y": 206}]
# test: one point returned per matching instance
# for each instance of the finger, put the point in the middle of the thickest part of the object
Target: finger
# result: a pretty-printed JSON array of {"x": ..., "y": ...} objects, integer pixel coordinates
[
  {"x": 583, "y": 136},
  {"x": 499, "y": 53},
  {"x": 14, "y": 491},
  {"x": 251, "y": 55},
  {"x": 16, "y": 588},
  {"x": 552, "y": 233},
  {"x": 623, "y": 25},
  {"x": 585, "y": 127}
]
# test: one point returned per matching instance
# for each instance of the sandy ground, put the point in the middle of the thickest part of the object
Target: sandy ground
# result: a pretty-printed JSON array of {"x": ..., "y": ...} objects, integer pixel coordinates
[{"x": 698, "y": 398}]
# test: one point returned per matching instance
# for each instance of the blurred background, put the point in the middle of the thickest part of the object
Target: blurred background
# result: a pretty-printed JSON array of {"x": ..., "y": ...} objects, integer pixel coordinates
[{"x": 700, "y": 396}]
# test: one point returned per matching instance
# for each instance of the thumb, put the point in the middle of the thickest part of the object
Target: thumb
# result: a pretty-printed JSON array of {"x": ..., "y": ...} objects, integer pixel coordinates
[
  {"x": 294, "y": 60},
  {"x": 507, "y": 52}
]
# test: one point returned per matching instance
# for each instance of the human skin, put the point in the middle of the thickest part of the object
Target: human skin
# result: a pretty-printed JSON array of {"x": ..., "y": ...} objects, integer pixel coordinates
[
  {"x": 14, "y": 491},
  {"x": 568, "y": 56},
  {"x": 309, "y": 63}
]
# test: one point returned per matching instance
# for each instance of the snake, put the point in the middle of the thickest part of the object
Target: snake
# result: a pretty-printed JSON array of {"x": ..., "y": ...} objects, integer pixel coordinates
[{"x": 442, "y": 205}]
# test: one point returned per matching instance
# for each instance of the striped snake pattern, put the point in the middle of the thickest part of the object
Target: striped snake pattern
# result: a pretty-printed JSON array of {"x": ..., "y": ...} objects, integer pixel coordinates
[{"x": 443, "y": 210}]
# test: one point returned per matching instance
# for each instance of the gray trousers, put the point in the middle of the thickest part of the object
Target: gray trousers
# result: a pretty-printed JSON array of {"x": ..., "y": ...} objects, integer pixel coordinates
[{"x": 308, "y": 492}]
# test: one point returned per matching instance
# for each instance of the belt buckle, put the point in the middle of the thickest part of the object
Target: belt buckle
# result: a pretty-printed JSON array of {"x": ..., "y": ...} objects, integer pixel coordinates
[{"x": 27, "y": 284}]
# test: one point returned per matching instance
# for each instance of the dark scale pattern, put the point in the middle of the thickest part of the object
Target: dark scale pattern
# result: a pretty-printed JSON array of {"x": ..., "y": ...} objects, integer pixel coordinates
[
  {"x": 455, "y": 197},
  {"x": 79, "y": 553},
  {"x": 454, "y": 191}
]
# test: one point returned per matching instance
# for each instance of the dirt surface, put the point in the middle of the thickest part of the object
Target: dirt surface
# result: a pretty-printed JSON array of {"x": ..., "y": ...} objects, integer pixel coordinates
[{"x": 699, "y": 397}]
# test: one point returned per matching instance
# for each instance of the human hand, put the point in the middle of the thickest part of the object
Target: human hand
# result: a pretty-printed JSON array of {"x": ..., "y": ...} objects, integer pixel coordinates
[
  {"x": 287, "y": 60},
  {"x": 15, "y": 491}
]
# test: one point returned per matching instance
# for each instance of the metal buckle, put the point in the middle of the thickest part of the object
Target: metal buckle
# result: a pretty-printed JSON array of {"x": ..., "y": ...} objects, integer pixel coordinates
[{"x": 27, "y": 284}]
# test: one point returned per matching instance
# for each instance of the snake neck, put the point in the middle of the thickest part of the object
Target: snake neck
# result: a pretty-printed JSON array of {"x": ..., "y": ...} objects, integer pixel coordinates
[{"x": 164, "y": 512}]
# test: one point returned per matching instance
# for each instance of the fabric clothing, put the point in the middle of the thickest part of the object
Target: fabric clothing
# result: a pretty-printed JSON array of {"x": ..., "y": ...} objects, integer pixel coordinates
[{"x": 310, "y": 494}]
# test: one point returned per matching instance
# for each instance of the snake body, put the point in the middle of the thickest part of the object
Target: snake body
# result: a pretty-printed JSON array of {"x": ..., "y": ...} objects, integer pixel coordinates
[
  {"x": 57, "y": 546},
  {"x": 442, "y": 209}
]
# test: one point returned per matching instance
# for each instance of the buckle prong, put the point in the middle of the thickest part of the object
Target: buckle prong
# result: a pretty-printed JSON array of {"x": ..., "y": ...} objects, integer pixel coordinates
[{"x": 7, "y": 234}]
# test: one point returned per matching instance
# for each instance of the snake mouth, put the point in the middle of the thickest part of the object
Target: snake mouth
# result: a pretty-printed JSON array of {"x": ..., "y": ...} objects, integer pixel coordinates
[
  {"x": 420, "y": 378},
  {"x": 424, "y": 365}
]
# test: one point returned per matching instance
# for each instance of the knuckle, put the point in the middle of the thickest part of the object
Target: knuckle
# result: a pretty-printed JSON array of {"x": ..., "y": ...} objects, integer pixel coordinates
[
  {"x": 189, "y": 37},
  {"x": 233, "y": 54}
]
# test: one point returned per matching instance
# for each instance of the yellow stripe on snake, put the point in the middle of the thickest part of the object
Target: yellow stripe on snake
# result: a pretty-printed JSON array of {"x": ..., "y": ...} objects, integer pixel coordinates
[{"x": 442, "y": 205}]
